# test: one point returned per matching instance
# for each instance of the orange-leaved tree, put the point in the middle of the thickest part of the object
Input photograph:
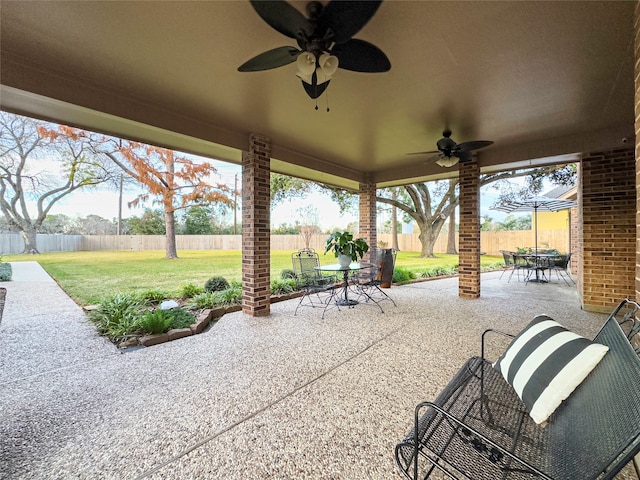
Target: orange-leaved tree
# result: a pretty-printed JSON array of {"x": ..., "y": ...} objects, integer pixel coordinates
[
  {"x": 176, "y": 182},
  {"x": 171, "y": 180}
]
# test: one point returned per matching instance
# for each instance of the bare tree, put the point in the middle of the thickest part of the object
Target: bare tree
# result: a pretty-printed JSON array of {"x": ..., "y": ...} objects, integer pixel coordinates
[{"x": 38, "y": 169}]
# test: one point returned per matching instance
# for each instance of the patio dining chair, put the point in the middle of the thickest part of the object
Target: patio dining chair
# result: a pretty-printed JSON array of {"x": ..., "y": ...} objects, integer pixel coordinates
[
  {"x": 318, "y": 290},
  {"x": 521, "y": 265},
  {"x": 508, "y": 262},
  {"x": 560, "y": 265},
  {"x": 370, "y": 279}
]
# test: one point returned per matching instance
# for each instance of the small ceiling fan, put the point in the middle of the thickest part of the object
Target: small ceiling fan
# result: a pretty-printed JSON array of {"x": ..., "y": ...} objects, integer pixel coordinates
[
  {"x": 449, "y": 152},
  {"x": 324, "y": 39}
]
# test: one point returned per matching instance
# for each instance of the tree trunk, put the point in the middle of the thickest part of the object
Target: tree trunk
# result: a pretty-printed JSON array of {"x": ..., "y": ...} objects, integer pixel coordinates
[
  {"x": 170, "y": 225},
  {"x": 394, "y": 223},
  {"x": 30, "y": 241},
  {"x": 451, "y": 238},
  {"x": 427, "y": 241}
]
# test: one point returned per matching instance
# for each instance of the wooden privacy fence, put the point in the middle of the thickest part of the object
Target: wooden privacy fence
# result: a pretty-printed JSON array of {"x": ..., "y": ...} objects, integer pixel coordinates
[{"x": 490, "y": 242}]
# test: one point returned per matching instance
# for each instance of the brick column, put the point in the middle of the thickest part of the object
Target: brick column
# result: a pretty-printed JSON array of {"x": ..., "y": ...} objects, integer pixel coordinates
[
  {"x": 607, "y": 192},
  {"x": 637, "y": 142},
  {"x": 367, "y": 223},
  {"x": 256, "y": 235},
  {"x": 469, "y": 230}
]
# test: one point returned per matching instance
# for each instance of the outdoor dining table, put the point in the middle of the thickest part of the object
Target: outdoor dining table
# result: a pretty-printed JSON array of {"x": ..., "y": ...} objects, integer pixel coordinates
[
  {"x": 539, "y": 262},
  {"x": 344, "y": 299}
]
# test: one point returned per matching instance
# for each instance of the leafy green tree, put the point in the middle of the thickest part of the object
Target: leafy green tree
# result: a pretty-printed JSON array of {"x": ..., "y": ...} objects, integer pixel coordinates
[
  {"x": 151, "y": 223},
  {"x": 430, "y": 204},
  {"x": 197, "y": 221},
  {"x": 511, "y": 222},
  {"x": 28, "y": 190}
]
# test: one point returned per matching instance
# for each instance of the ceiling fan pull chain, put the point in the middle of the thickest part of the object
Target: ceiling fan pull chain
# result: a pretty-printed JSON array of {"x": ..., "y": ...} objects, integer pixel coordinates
[{"x": 327, "y": 98}]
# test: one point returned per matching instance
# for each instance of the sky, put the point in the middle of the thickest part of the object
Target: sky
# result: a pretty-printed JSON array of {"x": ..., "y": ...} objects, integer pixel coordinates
[{"x": 105, "y": 204}]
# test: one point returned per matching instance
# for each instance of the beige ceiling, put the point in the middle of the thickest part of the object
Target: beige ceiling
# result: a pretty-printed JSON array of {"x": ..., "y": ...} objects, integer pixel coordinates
[{"x": 540, "y": 79}]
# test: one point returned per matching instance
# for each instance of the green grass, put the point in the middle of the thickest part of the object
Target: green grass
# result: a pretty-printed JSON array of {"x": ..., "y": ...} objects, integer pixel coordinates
[{"x": 89, "y": 276}]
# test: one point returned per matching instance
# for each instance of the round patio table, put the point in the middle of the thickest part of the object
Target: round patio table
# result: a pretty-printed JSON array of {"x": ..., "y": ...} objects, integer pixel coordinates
[{"x": 344, "y": 299}]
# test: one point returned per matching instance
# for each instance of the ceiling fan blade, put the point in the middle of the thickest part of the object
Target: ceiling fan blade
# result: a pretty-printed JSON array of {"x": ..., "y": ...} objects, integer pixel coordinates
[
  {"x": 314, "y": 91},
  {"x": 360, "y": 56},
  {"x": 422, "y": 153},
  {"x": 283, "y": 17},
  {"x": 271, "y": 59},
  {"x": 464, "y": 156},
  {"x": 475, "y": 145},
  {"x": 346, "y": 18}
]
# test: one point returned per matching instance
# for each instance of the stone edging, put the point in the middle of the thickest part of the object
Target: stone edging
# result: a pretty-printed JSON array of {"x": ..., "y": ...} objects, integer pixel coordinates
[{"x": 202, "y": 322}]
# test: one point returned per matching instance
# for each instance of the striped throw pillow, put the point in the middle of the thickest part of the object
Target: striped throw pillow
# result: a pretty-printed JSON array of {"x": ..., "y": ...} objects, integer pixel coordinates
[{"x": 545, "y": 363}]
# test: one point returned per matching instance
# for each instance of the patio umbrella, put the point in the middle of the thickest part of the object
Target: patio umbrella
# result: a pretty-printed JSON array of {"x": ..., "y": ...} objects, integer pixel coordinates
[{"x": 535, "y": 204}]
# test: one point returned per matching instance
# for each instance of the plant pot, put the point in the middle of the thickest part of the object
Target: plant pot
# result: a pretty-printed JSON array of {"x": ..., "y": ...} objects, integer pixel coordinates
[{"x": 344, "y": 260}]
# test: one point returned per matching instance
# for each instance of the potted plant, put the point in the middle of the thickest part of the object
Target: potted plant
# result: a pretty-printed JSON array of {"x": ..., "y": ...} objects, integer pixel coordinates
[{"x": 345, "y": 248}]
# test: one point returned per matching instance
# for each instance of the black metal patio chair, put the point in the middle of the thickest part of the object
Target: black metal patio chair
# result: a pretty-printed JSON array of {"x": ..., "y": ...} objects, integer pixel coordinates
[
  {"x": 318, "y": 290},
  {"x": 370, "y": 279},
  {"x": 560, "y": 265}
]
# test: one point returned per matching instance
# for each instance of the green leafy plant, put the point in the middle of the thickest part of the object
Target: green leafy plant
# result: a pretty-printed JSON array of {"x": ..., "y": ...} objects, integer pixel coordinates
[
  {"x": 287, "y": 273},
  {"x": 342, "y": 243},
  {"x": 190, "y": 290},
  {"x": 403, "y": 275},
  {"x": 216, "y": 284},
  {"x": 157, "y": 321},
  {"x": 6, "y": 272},
  {"x": 229, "y": 296},
  {"x": 203, "y": 300},
  {"x": 180, "y": 318},
  {"x": 282, "y": 286},
  {"x": 118, "y": 316},
  {"x": 153, "y": 295}
]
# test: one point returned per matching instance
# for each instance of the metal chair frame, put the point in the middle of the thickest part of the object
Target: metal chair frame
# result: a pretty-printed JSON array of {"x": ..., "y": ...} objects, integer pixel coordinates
[{"x": 318, "y": 289}]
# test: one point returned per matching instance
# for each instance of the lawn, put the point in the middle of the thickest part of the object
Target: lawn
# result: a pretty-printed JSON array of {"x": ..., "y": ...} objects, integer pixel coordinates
[{"x": 89, "y": 276}]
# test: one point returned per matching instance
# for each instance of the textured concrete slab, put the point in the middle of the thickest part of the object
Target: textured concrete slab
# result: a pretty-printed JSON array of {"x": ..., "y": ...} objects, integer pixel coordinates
[
  {"x": 278, "y": 397},
  {"x": 30, "y": 272}
]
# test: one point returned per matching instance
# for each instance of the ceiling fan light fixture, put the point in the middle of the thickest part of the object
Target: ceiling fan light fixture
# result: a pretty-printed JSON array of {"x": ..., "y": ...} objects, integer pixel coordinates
[
  {"x": 328, "y": 64},
  {"x": 447, "y": 162},
  {"x": 306, "y": 63}
]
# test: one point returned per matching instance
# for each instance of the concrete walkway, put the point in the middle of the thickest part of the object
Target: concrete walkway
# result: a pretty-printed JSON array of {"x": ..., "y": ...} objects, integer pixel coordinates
[{"x": 279, "y": 397}]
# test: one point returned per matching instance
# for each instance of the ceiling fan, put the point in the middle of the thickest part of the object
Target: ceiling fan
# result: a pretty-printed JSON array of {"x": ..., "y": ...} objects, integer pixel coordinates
[
  {"x": 324, "y": 39},
  {"x": 449, "y": 152}
]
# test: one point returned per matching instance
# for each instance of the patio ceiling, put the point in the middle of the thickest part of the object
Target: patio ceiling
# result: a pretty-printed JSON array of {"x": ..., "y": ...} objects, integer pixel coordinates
[{"x": 540, "y": 79}]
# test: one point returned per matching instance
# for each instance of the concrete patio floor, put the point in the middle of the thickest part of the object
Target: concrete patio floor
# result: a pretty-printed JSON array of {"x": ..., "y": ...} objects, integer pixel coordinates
[{"x": 277, "y": 397}]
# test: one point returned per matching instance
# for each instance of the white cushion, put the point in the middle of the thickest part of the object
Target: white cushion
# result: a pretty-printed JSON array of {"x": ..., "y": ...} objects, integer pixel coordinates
[{"x": 545, "y": 363}]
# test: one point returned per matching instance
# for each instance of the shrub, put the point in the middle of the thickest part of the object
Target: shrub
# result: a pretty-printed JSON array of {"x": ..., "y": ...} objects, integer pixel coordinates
[
  {"x": 180, "y": 318},
  {"x": 155, "y": 322},
  {"x": 230, "y": 296},
  {"x": 281, "y": 286},
  {"x": 203, "y": 300},
  {"x": 118, "y": 316},
  {"x": 287, "y": 273},
  {"x": 402, "y": 275},
  {"x": 6, "y": 272},
  {"x": 216, "y": 284},
  {"x": 190, "y": 290},
  {"x": 153, "y": 296},
  {"x": 438, "y": 272}
]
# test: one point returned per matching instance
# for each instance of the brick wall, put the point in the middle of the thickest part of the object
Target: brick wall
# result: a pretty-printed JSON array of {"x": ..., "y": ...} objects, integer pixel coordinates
[
  {"x": 637, "y": 143},
  {"x": 367, "y": 223},
  {"x": 256, "y": 227},
  {"x": 469, "y": 230},
  {"x": 607, "y": 193}
]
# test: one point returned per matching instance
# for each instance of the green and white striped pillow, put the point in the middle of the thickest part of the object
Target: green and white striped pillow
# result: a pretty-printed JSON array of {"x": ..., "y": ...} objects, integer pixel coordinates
[{"x": 545, "y": 363}]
